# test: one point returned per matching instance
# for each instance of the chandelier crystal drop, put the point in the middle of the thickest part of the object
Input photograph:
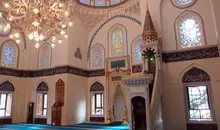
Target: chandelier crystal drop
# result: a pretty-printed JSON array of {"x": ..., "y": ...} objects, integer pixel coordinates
[{"x": 39, "y": 19}]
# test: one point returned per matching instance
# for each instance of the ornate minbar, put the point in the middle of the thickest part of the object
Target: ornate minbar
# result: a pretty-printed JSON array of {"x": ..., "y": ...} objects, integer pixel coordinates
[{"x": 139, "y": 101}]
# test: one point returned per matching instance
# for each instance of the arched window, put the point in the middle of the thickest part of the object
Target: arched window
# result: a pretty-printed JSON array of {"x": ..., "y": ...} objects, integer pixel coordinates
[
  {"x": 197, "y": 83},
  {"x": 42, "y": 99},
  {"x": 100, "y": 2},
  {"x": 136, "y": 50},
  {"x": 5, "y": 28},
  {"x": 6, "y": 92},
  {"x": 97, "y": 57},
  {"x": 190, "y": 32},
  {"x": 45, "y": 56},
  {"x": 9, "y": 54},
  {"x": 183, "y": 3},
  {"x": 117, "y": 41},
  {"x": 97, "y": 99}
]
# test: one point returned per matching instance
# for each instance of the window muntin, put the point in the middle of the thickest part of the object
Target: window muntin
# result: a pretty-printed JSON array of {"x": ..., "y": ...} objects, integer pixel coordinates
[
  {"x": 5, "y": 104},
  {"x": 42, "y": 104},
  {"x": 97, "y": 104},
  {"x": 198, "y": 103}
]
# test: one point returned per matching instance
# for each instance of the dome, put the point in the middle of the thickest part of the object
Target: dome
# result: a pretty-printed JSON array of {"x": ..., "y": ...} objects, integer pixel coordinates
[{"x": 101, "y": 3}]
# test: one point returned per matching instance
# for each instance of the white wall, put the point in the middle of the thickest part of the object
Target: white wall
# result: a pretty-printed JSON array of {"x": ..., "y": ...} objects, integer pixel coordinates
[
  {"x": 173, "y": 95},
  {"x": 169, "y": 13},
  {"x": 78, "y": 37},
  {"x": 76, "y": 97}
]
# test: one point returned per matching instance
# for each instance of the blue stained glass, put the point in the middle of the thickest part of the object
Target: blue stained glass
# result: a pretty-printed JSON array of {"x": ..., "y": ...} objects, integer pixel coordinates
[
  {"x": 117, "y": 43},
  {"x": 9, "y": 55},
  {"x": 100, "y": 2},
  {"x": 184, "y": 2},
  {"x": 190, "y": 33},
  {"x": 97, "y": 58},
  {"x": 84, "y": 1},
  {"x": 45, "y": 56},
  {"x": 115, "y": 35},
  {"x": 138, "y": 57},
  {"x": 115, "y": 2},
  {"x": 4, "y": 27}
]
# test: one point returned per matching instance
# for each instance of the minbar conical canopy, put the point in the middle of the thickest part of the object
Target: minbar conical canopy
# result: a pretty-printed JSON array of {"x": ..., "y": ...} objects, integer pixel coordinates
[{"x": 149, "y": 33}]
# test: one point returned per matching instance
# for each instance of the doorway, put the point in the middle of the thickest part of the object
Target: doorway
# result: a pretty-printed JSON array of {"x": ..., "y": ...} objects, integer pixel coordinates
[{"x": 138, "y": 113}]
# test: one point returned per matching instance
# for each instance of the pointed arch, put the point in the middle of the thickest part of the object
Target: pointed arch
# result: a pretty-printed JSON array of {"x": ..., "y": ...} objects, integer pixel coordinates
[
  {"x": 7, "y": 86},
  {"x": 60, "y": 91},
  {"x": 97, "y": 59},
  {"x": 194, "y": 65},
  {"x": 42, "y": 87},
  {"x": 97, "y": 99},
  {"x": 97, "y": 86},
  {"x": 189, "y": 30},
  {"x": 195, "y": 75},
  {"x": 9, "y": 54},
  {"x": 44, "y": 56},
  {"x": 136, "y": 50},
  {"x": 117, "y": 41}
]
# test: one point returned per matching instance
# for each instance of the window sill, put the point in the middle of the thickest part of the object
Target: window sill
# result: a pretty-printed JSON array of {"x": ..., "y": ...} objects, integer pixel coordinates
[
  {"x": 97, "y": 115},
  {"x": 201, "y": 122}
]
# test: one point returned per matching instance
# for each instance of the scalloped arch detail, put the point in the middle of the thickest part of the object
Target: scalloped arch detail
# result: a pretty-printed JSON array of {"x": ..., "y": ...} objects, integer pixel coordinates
[{"x": 105, "y": 22}]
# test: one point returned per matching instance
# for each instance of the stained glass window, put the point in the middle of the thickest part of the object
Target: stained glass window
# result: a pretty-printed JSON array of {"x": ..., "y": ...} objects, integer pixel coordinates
[
  {"x": 199, "y": 108},
  {"x": 115, "y": 2},
  {"x": 84, "y": 1},
  {"x": 138, "y": 57},
  {"x": 183, "y": 2},
  {"x": 117, "y": 42},
  {"x": 190, "y": 33},
  {"x": 100, "y": 2},
  {"x": 9, "y": 55},
  {"x": 97, "y": 57},
  {"x": 45, "y": 55},
  {"x": 5, "y": 28}
]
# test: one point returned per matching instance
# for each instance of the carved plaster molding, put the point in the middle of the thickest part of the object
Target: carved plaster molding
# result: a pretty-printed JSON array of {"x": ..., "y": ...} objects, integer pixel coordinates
[{"x": 92, "y": 16}]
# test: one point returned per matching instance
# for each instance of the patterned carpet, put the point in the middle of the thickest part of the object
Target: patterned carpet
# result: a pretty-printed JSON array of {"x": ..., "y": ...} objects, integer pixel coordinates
[{"x": 82, "y": 126}]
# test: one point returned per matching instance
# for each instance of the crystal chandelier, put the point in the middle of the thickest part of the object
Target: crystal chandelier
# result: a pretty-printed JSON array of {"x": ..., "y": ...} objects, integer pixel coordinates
[{"x": 40, "y": 20}]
